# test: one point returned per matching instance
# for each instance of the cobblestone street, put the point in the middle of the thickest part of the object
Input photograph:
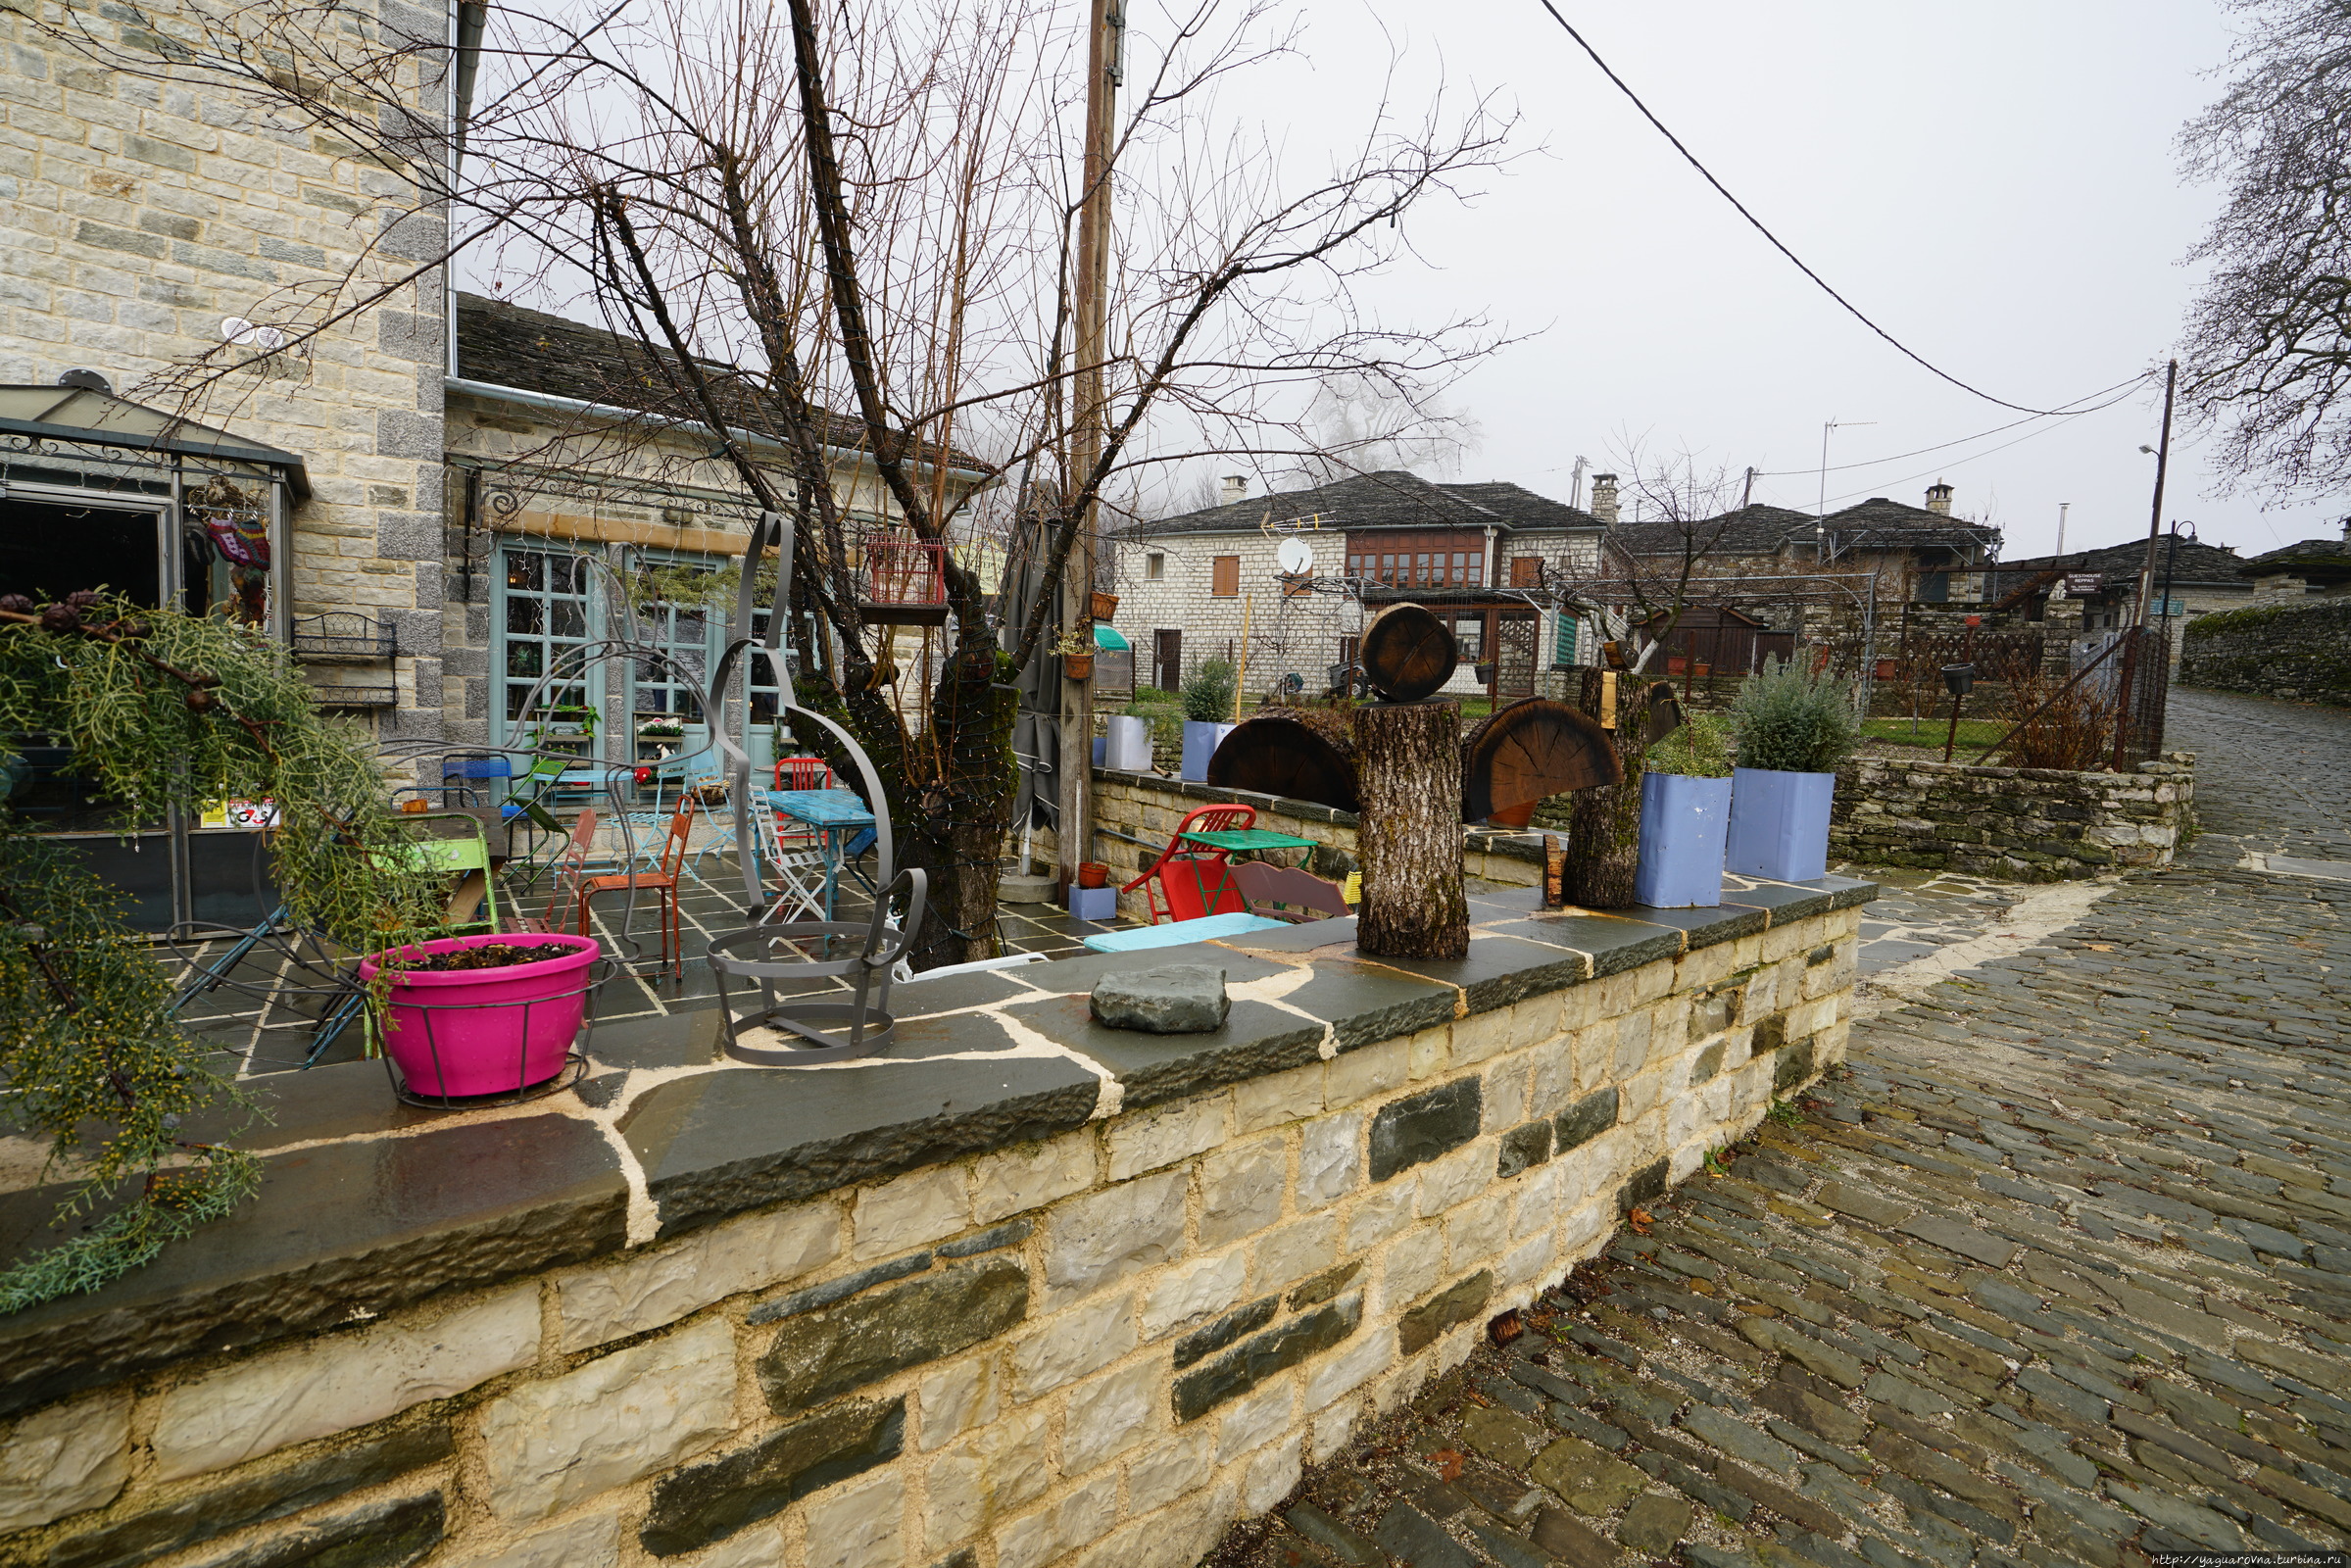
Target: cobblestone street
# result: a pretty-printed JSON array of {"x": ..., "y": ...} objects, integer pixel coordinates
[{"x": 2058, "y": 1271}]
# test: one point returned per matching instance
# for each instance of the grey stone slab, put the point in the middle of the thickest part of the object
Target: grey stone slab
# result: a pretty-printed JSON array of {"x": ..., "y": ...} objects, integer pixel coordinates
[
  {"x": 1166, "y": 999},
  {"x": 1703, "y": 926},
  {"x": 1500, "y": 970},
  {"x": 366, "y": 1226},
  {"x": 1613, "y": 943},
  {"x": 1417, "y": 1541},
  {"x": 718, "y": 1142},
  {"x": 1781, "y": 901},
  {"x": 1255, "y": 1040},
  {"x": 920, "y": 998},
  {"x": 1365, "y": 1004}
]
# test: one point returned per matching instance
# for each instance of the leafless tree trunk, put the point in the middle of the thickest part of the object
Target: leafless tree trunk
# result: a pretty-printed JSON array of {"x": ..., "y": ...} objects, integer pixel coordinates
[
  {"x": 1409, "y": 771},
  {"x": 1604, "y": 825}
]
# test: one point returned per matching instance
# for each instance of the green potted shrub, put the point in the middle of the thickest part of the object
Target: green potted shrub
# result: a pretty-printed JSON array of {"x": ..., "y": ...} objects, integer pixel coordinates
[
  {"x": 1685, "y": 816},
  {"x": 1795, "y": 724}
]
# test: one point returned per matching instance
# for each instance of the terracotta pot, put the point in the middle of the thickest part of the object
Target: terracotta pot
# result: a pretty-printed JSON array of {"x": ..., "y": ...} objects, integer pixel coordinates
[
  {"x": 1092, "y": 875},
  {"x": 1077, "y": 667},
  {"x": 1105, "y": 605},
  {"x": 1703, "y": 671}
]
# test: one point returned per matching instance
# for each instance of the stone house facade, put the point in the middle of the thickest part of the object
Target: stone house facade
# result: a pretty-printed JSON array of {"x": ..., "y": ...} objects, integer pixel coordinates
[
  {"x": 2320, "y": 566},
  {"x": 1495, "y": 558}
]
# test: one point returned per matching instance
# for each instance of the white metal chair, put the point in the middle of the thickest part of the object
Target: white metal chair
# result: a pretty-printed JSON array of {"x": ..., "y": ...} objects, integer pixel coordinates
[{"x": 796, "y": 872}]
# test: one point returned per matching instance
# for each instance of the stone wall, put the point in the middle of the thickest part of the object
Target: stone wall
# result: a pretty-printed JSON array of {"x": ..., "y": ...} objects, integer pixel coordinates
[
  {"x": 2030, "y": 824},
  {"x": 1135, "y": 814},
  {"x": 2298, "y": 651},
  {"x": 898, "y": 1314}
]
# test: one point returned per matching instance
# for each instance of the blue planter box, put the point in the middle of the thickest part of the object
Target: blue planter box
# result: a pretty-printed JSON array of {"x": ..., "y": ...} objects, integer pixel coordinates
[
  {"x": 1200, "y": 744},
  {"x": 1780, "y": 824},
  {"x": 1092, "y": 903},
  {"x": 1683, "y": 825}
]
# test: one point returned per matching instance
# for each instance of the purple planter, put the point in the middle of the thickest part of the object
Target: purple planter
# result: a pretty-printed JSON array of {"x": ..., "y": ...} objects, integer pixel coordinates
[
  {"x": 1683, "y": 825},
  {"x": 1780, "y": 824}
]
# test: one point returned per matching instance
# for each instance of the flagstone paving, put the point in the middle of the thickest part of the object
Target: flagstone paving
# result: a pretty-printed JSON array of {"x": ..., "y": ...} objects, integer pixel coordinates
[{"x": 2057, "y": 1272}]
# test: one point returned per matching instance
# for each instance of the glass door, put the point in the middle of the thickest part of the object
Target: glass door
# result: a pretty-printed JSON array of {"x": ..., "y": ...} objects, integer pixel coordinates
[
  {"x": 666, "y": 717},
  {"x": 544, "y": 618}
]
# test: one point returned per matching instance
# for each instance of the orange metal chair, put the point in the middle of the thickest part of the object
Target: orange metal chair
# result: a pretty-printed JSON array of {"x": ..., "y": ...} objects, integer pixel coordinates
[
  {"x": 1185, "y": 893},
  {"x": 663, "y": 882}
]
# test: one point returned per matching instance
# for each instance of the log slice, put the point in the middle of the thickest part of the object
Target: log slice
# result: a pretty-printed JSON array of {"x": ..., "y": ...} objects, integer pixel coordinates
[{"x": 1408, "y": 766}]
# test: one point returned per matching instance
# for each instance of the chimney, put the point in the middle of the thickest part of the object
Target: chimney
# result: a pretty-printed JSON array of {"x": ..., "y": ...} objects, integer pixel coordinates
[
  {"x": 1604, "y": 498},
  {"x": 1938, "y": 498},
  {"x": 1236, "y": 488}
]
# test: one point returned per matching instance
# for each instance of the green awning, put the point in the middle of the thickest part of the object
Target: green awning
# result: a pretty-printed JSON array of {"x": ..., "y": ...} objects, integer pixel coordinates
[{"x": 1107, "y": 636}]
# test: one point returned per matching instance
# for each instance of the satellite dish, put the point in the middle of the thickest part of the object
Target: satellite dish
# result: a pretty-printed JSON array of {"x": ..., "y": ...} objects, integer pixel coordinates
[
  {"x": 1295, "y": 558},
  {"x": 245, "y": 334}
]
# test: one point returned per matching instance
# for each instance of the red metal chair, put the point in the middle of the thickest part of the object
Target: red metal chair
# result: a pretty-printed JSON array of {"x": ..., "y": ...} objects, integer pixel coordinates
[
  {"x": 663, "y": 882},
  {"x": 1199, "y": 884},
  {"x": 803, "y": 774}
]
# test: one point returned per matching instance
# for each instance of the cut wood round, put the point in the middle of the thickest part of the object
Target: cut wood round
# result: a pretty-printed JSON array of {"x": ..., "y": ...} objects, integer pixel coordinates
[
  {"x": 1604, "y": 823},
  {"x": 1407, "y": 653},
  {"x": 1307, "y": 754},
  {"x": 1528, "y": 751},
  {"x": 1408, "y": 764},
  {"x": 1665, "y": 712}
]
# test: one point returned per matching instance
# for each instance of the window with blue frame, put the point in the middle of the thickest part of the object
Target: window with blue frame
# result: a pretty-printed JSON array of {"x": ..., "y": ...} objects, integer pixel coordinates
[{"x": 544, "y": 617}]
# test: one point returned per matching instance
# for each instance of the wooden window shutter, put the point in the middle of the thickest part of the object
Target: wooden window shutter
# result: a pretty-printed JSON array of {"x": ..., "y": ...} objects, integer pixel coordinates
[
  {"x": 1526, "y": 571},
  {"x": 1224, "y": 577}
]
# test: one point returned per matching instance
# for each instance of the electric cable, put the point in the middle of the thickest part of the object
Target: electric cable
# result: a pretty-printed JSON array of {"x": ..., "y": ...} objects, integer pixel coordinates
[
  {"x": 2121, "y": 389},
  {"x": 1724, "y": 191}
]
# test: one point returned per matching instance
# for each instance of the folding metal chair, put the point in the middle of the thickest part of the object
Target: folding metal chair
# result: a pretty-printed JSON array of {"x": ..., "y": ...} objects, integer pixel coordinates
[
  {"x": 1176, "y": 883},
  {"x": 797, "y": 870}
]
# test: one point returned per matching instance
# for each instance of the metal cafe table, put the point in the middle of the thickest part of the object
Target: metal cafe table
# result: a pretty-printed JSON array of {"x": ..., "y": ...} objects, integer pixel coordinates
[
  {"x": 838, "y": 814},
  {"x": 1226, "y": 841}
]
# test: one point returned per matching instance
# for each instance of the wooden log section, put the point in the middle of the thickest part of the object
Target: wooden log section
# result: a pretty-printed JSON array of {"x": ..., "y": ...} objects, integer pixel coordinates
[
  {"x": 1664, "y": 714},
  {"x": 1407, "y": 653},
  {"x": 1603, "y": 823},
  {"x": 1528, "y": 751},
  {"x": 1408, "y": 764},
  {"x": 1307, "y": 754}
]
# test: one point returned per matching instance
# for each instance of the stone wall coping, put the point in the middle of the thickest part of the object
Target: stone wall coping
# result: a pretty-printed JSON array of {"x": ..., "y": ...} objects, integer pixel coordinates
[
  {"x": 368, "y": 1207},
  {"x": 2172, "y": 762}
]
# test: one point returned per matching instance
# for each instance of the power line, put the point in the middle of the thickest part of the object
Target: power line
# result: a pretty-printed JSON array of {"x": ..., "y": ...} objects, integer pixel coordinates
[
  {"x": 2029, "y": 435},
  {"x": 1724, "y": 191},
  {"x": 2121, "y": 389}
]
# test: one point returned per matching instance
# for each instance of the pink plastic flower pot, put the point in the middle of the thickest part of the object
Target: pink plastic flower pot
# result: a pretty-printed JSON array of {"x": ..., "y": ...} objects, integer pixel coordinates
[{"x": 485, "y": 1031}]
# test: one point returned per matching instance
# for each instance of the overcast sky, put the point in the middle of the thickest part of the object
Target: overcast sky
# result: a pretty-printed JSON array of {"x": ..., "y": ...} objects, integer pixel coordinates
[{"x": 1996, "y": 183}]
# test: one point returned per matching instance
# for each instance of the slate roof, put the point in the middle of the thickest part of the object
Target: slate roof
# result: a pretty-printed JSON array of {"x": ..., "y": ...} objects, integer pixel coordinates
[
  {"x": 1765, "y": 531},
  {"x": 507, "y": 345},
  {"x": 1388, "y": 499},
  {"x": 1753, "y": 530},
  {"x": 2197, "y": 563},
  {"x": 2316, "y": 559}
]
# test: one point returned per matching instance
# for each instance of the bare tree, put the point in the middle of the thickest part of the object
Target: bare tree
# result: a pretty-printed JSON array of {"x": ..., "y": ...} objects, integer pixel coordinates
[
  {"x": 2267, "y": 348},
  {"x": 1357, "y": 423},
  {"x": 858, "y": 230},
  {"x": 1651, "y": 570}
]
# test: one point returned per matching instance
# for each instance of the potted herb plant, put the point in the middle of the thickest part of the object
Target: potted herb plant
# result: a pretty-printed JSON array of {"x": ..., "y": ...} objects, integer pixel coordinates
[
  {"x": 1685, "y": 814},
  {"x": 1207, "y": 711},
  {"x": 1795, "y": 726},
  {"x": 1076, "y": 650}
]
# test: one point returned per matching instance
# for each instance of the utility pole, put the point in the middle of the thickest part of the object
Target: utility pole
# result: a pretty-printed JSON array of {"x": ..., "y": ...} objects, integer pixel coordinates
[
  {"x": 1074, "y": 785},
  {"x": 2163, "y": 457},
  {"x": 1746, "y": 496},
  {"x": 1820, "y": 512}
]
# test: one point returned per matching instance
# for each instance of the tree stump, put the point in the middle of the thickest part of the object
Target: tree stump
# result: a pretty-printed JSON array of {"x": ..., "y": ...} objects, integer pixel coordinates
[
  {"x": 1604, "y": 825},
  {"x": 1409, "y": 771},
  {"x": 1305, "y": 754},
  {"x": 1407, "y": 653},
  {"x": 1528, "y": 751}
]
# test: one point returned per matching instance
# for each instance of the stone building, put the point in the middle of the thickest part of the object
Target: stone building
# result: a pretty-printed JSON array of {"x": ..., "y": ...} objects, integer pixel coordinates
[
  {"x": 2320, "y": 567},
  {"x": 2095, "y": 590},
  {"x": 416, "y": 520},
  {"x": 1498, "y": 558},
  {"x": 1902, "y": 552}
]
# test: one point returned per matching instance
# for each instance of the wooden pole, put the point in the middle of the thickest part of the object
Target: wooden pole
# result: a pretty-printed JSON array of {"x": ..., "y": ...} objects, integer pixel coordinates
[
  {"x": 1408, "y": 769},
  {"x": 1604, "y": 825},
  {"x": 1241, "y": 673},
  {"x": 1090, "y": 286}
]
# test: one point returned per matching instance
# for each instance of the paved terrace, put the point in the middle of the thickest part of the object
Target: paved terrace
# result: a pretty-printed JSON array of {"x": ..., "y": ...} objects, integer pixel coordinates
[{"x": 2059, "y": 1271}]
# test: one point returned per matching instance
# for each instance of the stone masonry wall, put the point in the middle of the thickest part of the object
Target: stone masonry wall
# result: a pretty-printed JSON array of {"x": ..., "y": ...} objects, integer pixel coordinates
[
  {"x": 1094, "y": 1350},
  {"x": 2298, "y": 651},
  {"x": 2030, "y": 824}
]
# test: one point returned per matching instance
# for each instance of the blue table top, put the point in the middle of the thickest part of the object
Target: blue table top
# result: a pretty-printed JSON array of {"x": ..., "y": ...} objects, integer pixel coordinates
[
  {"x": 820, "y": 808},
  {"x": 1176, "y": 933}
]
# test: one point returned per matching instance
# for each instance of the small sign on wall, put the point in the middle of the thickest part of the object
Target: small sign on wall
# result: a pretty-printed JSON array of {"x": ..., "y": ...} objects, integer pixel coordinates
[{"x": 250, "y": 815}]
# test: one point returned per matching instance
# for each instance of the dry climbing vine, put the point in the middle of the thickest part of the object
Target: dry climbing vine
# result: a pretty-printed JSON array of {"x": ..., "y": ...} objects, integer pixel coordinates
[{"x": 162, "y": 710}]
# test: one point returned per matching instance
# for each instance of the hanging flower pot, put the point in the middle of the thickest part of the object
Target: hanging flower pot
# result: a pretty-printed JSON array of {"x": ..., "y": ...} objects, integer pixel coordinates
[
  {"x": 1105, "y": 605},
  {"x": 457, "y": 1033},
  {"x": 1484, "y": 674},
  {"x": 1077, "y": 667}
]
